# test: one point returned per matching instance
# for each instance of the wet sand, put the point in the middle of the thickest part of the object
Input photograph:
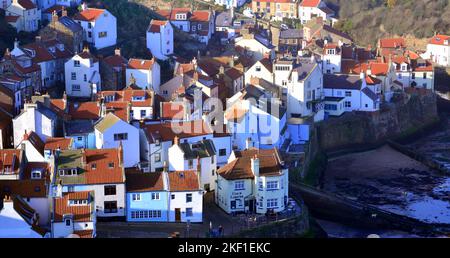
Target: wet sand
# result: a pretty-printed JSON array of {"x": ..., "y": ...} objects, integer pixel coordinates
[{"x": 392, "y": 181}]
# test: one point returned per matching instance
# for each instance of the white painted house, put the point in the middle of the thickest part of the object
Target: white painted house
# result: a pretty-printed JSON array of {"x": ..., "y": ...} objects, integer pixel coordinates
[
  {"x": 200, "y": 156},
  {"x": 37, "y": 118},
  {"x": 438, "y": 50},
  {"x": 160, "y": 39},
  {"x": 82, "y": 75},
  {"x": 111, "y": 131},
  {"x": 305, "y": 91},
  {"x": 255, "y": 120},
  {"x": 332, "y": 58},
  {"x": 146, "y": 74},
  {"x": 27, "y": 16},
  {"x": 74, "y": 215},
  {"x": 309, "y": 9},
  {"x": 354, "y": 88},
  {"x": 186, "y": 197},
  {"x": 157, "y": 137},
  {"x": 101, "y": 171},
  {"x": 253, "y": 181},
  {"x": 230, "y": 3},
  {"x": 99, "y": 25}
]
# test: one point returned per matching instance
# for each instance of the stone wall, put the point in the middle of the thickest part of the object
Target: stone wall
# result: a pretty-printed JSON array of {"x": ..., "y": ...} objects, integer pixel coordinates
[{"x": 363, "y": 130}]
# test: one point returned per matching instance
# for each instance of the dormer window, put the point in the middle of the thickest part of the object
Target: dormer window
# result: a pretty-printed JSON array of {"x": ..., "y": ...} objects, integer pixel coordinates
[
  {"x": 111, "y": 165},
  {"x": 404, "y": 67},
  {"x": 36, "y": 174},
  {"x": 78, "y": 202},
  {"x": 331, "y": 51},
  {"x": 94, "y": 166},
  {"x": 109, "y": 98},
  {"x": 138, "y": 98}
]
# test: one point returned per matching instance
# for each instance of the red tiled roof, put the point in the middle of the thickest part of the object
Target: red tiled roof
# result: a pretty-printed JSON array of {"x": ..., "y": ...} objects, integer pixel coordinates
[
  {"x": 10, "y": 158},
  {"x": 234, "y": 73},
  {"x": 27, "y": 4},
  {"x": 155, "y": 26},
  {"x": 54, "y": 143},
  {"x": 81, "y": 213},
  {"x": 240, "y": 168},
  {"x": 167, "y": 131},
  {"x": 172, "y": 110},
  {"x": 127, "y": 94},
  {"x": 84, "y": 233},
  {"x": 200, "y": 16},
  {"x": 34, "y": 139},
  {"x": 58, "y": 106},
  {"x": 84, "y": 110},
  {"x": 11, "y": 18},
  {"x": 140, "y": 64},
  {"x": 183, "y": 181},
  {"x": 137, "y": 181},
  {"x": 120, "y": 109},
  {"x": 116, "y": 61},
  {"x": 90, "y": 14},
  {"x": 392, "y": 43},
  {"x": 310, "y": 3},
  {"x": 439, "y": 40},
  {"x": 42, "y": 166},
  {"x": 24, "y": 188},
  {"x": 370, "y": 80}
]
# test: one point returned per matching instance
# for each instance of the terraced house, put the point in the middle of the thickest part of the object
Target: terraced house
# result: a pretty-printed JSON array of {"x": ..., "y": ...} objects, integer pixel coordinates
[
  {"x": 276, "y": 9},
  {"x": 100, "y": 171}
]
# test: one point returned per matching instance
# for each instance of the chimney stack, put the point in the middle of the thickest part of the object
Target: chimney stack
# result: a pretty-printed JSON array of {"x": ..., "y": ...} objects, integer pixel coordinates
[
  {"x": 176, "y": 140},
  {"x": 117, "y": 52},
  {"x": 120, "y": 149},
  {"x": 63, "y": 12},
  {"x": 55, "y": 17},
  {"x": 255, "y": 165}
]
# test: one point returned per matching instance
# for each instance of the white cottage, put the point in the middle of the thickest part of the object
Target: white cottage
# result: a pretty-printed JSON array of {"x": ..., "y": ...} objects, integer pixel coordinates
[
  {"x": 160, "y": 39},
  {"x": 200, "y": 156},
  {"x": 146, "y": 74},
  {"x": 82, "y": 75},
  {"x": 254, "y": 180},
  {"x": 25, "y": 15},
  {"x": 99, "y": 26},
  {"x": 111, "y": 132}
]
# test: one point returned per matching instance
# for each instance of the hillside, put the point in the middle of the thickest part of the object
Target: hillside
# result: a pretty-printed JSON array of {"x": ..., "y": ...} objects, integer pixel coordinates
[{"x": 367, "y": 20}]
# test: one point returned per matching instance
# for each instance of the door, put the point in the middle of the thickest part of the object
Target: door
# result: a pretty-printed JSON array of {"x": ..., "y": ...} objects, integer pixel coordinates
[{"x": 177, "y": 215}]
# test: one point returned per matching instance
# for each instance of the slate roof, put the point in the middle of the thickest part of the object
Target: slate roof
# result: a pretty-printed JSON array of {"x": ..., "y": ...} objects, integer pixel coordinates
[
  {"x": 201, "y": 149},
  {"x": 349, "y": 82},
  {"x": 369, "y": 93},
  {"x": 75, "y": 127},
  {"x": 137, "y": 181},
  {"x": 291, "y": 34},
  {"x": 70, "y": 24}
]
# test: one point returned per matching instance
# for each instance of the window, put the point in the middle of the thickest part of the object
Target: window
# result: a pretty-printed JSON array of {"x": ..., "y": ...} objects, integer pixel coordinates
[
  {"x": 78, "y": 202},
  {"x": 102, "y": 34},
  {"x": 272, "y": 203},
  {"x": 85, "y": 77},
  {"x": 400, "y": 76},
  {"x": 348, "y": 104},
  {"x": 89, "y": 25},
  {"x": 110, "y": 207},
  {"x": 189, "y": 212},
  {"x": 331, "y": 107},
  {"x": 110, "y": 190},
  {"x": 73, "y": 76},
  {"x": 194, "y": 28},
  {"x": 413, "y": 76},
  {"x": 222, "y": 152},
  {"x": 348, "y": 93},
  {"x": 424, "y": 75},
  {"x": 155, "y": 196},
  {"x": 76, "y": 63},
  {"x": 94, "y": 166},
  {"x": 213, "y": 172},
  {"x": 189, "y": 197},
  {"x": 212, "y": 159},
  {"x": 136, "y": 197},
  {"x": 272, "y": 185},
  {"x": 258, "y": 68},
  {"x": 89, "y": 34},
  {"x": 157, "y": 157},
  {"x": 120, "y": 136},
  {"x": 143, "y": 113},
  {"x": 172, "y": 197},
  {"x": 76, "y": 87},
  {"x": 79, "y": 138},
  {"x": 67, "y": 222},
  {"x": 260, "y": 185},
  {"x": 111, "y": 165},
  {"x": 36, "y": 174},
  {"x": 145, "y": 214},
  {"x": 239, "y": 185}
]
